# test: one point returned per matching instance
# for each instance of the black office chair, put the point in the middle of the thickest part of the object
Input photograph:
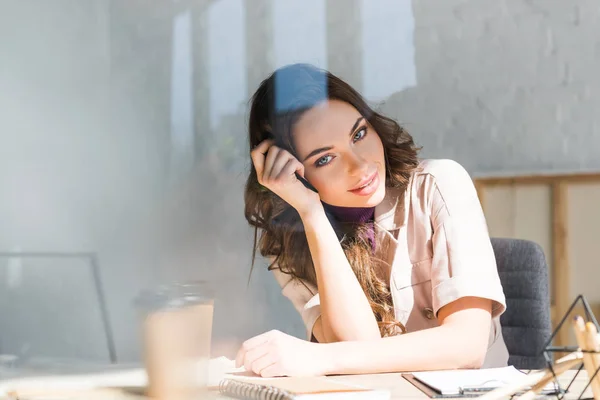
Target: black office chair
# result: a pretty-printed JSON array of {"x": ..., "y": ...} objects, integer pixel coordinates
[{"x": 526, "y": 324}]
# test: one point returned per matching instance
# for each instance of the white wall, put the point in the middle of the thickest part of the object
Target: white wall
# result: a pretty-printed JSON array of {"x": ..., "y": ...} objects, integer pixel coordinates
[{"x": 87, "y": 158}]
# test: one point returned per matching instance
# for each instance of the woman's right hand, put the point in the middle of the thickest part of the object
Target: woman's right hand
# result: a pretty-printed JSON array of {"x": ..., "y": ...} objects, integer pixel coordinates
[{"x": 276, "y": 170}]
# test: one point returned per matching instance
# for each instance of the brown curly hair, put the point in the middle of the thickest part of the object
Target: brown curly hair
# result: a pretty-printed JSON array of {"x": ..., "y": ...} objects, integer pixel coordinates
[{"x": 276, "y": 106}]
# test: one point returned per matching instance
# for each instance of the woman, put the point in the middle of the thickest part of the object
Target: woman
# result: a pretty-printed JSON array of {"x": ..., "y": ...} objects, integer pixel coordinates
[{"x": 387, "y": 258}]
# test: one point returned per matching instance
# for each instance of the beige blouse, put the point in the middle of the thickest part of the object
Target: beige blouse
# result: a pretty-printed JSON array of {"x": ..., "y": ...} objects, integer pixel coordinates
[{"x": 435, "y": 239}]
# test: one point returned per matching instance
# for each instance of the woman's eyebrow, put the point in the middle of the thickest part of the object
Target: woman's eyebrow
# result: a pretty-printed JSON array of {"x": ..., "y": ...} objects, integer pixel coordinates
[
  {"x": 317, "y": 151},
  {"x": 322, "y": 149},
  {"x": 358, "y": 121}
]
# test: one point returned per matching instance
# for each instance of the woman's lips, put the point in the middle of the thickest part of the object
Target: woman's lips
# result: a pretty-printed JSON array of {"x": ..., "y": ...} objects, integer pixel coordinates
[{"x": 368, "y": 187}]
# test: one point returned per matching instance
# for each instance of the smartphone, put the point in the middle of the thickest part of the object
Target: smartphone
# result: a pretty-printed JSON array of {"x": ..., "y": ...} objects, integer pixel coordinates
[{"x": 306, "y": 183}]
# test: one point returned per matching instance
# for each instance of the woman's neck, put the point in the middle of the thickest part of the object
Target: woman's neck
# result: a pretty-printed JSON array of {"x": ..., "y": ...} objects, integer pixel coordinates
[{"x": 351, "y": 214}]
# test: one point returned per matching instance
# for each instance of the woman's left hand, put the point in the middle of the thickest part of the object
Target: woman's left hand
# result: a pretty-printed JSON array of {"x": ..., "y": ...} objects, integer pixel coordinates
[{"x": 277, "y": 354}]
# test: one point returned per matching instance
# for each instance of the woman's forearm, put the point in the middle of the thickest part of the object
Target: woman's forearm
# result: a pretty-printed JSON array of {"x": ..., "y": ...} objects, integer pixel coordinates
[
  {"x": 345, "y": 310},
  {"x": 443, "y": 347}
]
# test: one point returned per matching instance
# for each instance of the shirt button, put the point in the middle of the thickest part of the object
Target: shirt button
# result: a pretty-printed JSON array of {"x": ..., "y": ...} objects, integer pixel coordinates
[{"x": 428, "y": 313}]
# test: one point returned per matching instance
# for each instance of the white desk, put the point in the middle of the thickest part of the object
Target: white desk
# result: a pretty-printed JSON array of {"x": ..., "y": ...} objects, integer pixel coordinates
[{"x": 394, "y": 382}]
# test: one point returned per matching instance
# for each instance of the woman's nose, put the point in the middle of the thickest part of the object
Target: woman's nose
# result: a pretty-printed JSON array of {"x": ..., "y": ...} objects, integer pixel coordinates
[{"x": 357, "y": 165}]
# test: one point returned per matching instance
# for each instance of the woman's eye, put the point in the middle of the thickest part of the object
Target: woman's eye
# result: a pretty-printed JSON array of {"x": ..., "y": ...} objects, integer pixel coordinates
[
  {"x": 323, "y": 161},
  {"x": 360, "y": 134}
]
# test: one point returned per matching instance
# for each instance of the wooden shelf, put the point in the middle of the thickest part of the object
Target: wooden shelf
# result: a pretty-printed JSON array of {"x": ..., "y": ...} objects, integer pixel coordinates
[
  {"x": 537, "y": 179},
  {"x": 561, "y": 269}
]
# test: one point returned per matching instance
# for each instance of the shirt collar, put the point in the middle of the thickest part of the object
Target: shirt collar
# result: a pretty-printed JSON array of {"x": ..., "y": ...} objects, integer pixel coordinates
[{"x": 388, "y": 213}]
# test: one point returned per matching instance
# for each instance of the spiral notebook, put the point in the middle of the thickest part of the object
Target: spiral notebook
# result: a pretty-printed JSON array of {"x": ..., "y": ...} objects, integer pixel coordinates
[{"x": 296, "y": 389}]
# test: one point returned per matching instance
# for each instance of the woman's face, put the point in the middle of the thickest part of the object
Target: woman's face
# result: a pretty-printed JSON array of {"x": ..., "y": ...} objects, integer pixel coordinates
[{"x": 342, "y": 155}]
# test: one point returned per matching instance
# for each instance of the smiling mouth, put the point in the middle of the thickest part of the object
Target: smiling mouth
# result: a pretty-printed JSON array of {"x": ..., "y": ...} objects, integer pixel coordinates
[{"x": 365, "y": 185}]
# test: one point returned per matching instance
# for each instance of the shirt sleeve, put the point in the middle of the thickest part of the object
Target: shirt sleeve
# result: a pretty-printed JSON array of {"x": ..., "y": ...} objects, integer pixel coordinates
[
  {"x": 303, "y": 296},
  {"x": 463, "y": 262}
]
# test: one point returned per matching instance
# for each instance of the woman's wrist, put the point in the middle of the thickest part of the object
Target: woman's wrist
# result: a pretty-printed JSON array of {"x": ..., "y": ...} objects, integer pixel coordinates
[
  {"x": 311, "y": 212},
  {"x": 328, "y": 359},
  {"x": 348, "y": 357}
]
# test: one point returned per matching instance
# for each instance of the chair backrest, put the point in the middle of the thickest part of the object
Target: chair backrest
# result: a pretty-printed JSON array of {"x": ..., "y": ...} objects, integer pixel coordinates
[{"x": 526, "y": 324}]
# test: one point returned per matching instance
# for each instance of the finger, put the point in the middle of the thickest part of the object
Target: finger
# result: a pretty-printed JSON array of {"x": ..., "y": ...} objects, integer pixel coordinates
[
  {"x": 258, "y": 156},
  {"x": 254, "y": 355},
  {"x": 290, "y": 167},
  {"x": 263, "y": 146},
  {"x": 300, "y": 169},
  {"x": 257, "y": 340},
  {"x": 269, "y": 161},
  {"x": 249, "y": 345},
  {"x": 283, "y": 157},
  {"x": 271, "y": 371},
  {"x": 263, "y": 362},
  {"x": 239, "y": 357}
]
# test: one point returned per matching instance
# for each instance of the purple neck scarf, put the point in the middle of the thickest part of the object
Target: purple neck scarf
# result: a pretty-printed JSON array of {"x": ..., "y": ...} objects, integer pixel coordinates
[{"x": 356, "y": 215}]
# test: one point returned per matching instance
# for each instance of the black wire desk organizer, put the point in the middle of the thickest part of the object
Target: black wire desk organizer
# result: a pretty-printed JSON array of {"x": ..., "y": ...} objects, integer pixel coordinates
[{"x": 586, "y": 355}]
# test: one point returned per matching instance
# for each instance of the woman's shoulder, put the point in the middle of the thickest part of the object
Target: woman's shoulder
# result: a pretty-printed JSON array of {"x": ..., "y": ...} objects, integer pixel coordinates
[
  {"x": 441, "y": 176},
  {"x": 444, "y": 170}
]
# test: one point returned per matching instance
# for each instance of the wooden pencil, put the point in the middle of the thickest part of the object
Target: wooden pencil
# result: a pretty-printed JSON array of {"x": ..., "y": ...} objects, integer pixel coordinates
[
  {"x": 593, "y": 345},
  {"x": 583, "y": 341}
]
